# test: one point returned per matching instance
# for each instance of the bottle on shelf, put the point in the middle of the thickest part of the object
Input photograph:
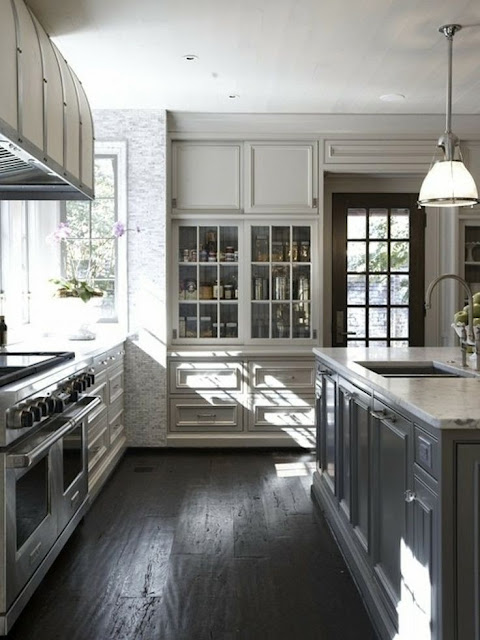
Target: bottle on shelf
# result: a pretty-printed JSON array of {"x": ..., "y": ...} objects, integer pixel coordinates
[{"x": 3, "y": 332}]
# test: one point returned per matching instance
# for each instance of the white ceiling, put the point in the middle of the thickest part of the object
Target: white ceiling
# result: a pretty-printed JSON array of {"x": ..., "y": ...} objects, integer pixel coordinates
[{"x": 278, "y": 56}]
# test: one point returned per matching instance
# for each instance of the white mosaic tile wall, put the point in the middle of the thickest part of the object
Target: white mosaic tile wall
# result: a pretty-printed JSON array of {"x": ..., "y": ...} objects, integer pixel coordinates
[{"x": 146, "y": 380}]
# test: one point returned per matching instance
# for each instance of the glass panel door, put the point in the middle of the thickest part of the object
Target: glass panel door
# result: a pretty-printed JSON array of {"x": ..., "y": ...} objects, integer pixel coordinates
[
  {"x": 281, "y": 277},
  {"x": 208, "y": 282},
  {"x": 378, "y": 271}
]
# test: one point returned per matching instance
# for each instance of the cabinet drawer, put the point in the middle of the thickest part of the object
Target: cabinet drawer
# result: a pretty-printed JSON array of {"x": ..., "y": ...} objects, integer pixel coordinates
[
  {"x": 188, "y": 377},
  {"x": 116, "y": 379},
  {"x": 274, "y": 412},
  {"x": 101, "y": 390},
  {"x": 222, "y": 414},
  {"x": 281, "y": 375},
  {"x": 97, "y": 444},
  {"x": 116, "y": 419},
  {"x": 426, "y": 451}
]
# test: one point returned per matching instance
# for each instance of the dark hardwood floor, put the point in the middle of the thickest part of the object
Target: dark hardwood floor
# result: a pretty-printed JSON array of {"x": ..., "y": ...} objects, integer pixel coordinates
[{"x": 200, "y": 545}]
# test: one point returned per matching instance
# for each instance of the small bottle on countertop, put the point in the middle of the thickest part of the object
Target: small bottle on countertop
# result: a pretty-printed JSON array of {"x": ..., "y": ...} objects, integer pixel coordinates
[{"x": 3, "y": 332}]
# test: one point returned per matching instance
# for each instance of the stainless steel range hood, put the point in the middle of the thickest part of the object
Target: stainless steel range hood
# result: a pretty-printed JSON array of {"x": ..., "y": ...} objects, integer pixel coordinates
[{"x": 46, "y": 126}]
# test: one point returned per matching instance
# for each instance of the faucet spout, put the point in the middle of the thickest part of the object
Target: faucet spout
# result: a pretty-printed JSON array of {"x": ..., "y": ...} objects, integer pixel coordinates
[{"x": 465, "y": 285}]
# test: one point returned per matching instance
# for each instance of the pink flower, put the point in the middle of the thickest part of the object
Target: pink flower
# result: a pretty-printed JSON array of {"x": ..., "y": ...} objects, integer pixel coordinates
[
  {"x": 118, "y": 229},
  {"x": 62, "y": 232}
]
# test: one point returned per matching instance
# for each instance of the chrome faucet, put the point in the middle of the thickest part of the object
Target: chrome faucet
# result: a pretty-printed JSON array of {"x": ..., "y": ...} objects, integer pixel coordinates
[{"x": 469, "y": 337}]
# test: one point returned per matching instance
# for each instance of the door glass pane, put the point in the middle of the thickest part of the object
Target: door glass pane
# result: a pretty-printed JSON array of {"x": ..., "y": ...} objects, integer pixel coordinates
[
  {"x": 300, "y": 250},
  {"x": 356, "y": 289},
  {"x": 399, "y": 289},
  {"x": 399, "y": 256},
  {"x": 208, "y": 277},
  {"x": 280, "y": 321},
  {"x": 378, "y": 223},
  {"x": 301, "y": 282},
  {"x": 228, "y": 244},
  {"x": 229, "y": 317},
  {"x": 399, "y": 322},
  {"x": 31, "y": 500},
  {"x": 260, "y": 320},
  {"x": 378, "y": 256},
  {"x": 187, "y": 244},
  {"x": 208, "y": 318},
  {"x": 260, "y": 282},
  {"x": 400, "y": 224},
  {"x": 378, "y": 343},
  {"x": 280, "y": 283},
  {"x": 187, "y": 321},
  {"x": 356, "y": 224},
  {"x": 377, "y": 319},
  {"x": 399, "y": 343},
  {"x": 208, "y": 241},
  {"x": 356, "y": 343},
  {"x": 280, "y": 244},
  {"x": 356, "y": 322},
  {"x": 301, "y": 320},
  {"x": 260, "y": 244},
  {"x": 377, "y": 289},
  {"x": 356, "y": 256}
]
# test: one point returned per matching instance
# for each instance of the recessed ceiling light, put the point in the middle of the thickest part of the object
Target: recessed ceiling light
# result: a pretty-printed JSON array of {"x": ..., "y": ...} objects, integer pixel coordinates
[
  {"x": 392, "y": 97},
  {"x": 233, "y": 96},
  {"x": 190, "y": 57}
]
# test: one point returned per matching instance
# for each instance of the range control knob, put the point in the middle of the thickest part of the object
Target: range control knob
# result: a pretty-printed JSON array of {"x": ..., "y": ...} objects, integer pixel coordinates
[
  {"x": 41, "y": 405},
  {"x": 59, "y": 405},
  {"x": 26, "y": 418},
  {"x": 91, "y": 378},
  {"x": 37, "y": 414}
]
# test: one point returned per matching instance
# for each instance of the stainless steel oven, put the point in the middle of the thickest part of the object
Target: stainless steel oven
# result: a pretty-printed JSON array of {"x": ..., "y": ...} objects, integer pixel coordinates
[{"x": 43, "y": 481}]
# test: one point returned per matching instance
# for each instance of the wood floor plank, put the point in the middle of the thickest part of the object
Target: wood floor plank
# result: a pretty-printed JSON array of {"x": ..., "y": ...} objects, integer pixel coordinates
[{"x": 200, "y": 545}]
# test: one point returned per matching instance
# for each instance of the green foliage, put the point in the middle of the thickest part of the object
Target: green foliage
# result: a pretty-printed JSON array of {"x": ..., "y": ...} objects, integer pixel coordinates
[{"x": 73, "y": 288}]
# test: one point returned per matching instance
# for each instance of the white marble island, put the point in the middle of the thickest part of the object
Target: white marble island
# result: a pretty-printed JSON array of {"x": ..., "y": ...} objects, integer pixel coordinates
[
  {"x": 444, "y": 403},
  {"x": 398, "y": 478}
]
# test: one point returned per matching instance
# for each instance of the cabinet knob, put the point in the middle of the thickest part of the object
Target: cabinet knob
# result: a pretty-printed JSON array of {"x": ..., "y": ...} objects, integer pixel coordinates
[{"x": 410, "y": 495}]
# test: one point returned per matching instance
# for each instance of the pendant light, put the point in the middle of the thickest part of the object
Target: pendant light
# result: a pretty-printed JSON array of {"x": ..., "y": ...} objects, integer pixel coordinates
[{"x": 448, "y": 182}]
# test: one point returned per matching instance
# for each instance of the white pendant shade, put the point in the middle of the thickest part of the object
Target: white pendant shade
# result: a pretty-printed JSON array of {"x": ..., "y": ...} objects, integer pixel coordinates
[{"x": 448, "y": 184}]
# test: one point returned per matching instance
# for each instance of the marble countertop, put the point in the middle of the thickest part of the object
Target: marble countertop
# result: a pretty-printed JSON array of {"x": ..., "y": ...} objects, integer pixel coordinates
[{"x": 444, "y": 403}]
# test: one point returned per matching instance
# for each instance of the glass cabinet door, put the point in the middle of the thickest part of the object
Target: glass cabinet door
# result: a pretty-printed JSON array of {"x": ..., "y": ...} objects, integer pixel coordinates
[
  {"x": 208, "y": 282},
  {"x": 472, "y": 255},
  {"x": 281, "y": 279}
]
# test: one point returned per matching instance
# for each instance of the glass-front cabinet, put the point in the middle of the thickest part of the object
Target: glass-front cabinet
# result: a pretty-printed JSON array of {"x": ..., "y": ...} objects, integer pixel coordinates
[
  {"x": 208, "y": 287},
  {"x": 244, "y": 282},
  {"x": 281, "y": 281},
  {"x": 470, "y": 255}
]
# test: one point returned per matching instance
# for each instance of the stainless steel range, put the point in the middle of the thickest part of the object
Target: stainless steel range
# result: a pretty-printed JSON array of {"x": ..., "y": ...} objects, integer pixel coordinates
[{"x": 44, "y": 411}]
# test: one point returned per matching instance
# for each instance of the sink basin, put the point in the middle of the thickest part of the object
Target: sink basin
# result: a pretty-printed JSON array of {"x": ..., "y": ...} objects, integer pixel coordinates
[{"x": 406, "y": 369}]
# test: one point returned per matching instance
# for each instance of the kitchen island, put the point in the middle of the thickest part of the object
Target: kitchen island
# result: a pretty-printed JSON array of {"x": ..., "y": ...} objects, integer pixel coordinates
[{"x": 398, "y": 461}]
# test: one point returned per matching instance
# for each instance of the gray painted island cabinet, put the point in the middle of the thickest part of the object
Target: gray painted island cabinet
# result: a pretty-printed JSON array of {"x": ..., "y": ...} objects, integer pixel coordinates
[{"x": 403, "y": 500}]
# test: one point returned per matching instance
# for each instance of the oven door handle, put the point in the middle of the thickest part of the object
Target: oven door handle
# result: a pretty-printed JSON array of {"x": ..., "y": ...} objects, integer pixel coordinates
[{"x": 25, "y": 456}]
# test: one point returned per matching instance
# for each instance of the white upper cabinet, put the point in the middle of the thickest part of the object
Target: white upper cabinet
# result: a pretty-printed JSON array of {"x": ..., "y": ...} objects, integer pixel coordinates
[
  {"x": 281, "y": 177},
  {"x": 206, "y": 176}
]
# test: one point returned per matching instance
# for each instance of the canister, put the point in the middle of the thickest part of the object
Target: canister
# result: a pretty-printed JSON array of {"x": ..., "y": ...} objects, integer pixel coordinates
[
  {"x": 280, "y": 287},
  {"x": 258, "y": 288},
  {"x": 303, "y": 288}
]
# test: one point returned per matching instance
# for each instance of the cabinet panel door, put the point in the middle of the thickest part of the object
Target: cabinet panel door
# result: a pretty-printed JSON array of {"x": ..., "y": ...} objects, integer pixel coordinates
[
  {"x": 361, "y": 460},
  {"x": 328, "y": 427},
  {"x": 392, "y": 471},
  {"x": 467, "y": 615},
  {"x": 206, "y": 175},
  {"x": 280, "y": 177}
]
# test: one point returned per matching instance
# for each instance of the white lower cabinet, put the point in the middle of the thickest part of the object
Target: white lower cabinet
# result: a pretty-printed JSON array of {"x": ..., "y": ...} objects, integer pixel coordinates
[
  {"x": 106, "y": 428},
  {"x": 250, "y": 400}
]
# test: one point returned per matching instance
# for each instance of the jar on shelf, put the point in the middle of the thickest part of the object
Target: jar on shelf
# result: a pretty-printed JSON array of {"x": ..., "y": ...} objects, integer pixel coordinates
[
  {"x": 190, "y": 290},
  {"x": 229, "y": 254},
  {"x": 280, "y": 288},
  {"x": 305, "y": 251},
  {"x": 231, "y": 330},
  {"x": 193, "y": 255},
  {"x": 181, "y": 290},
  {"x": 206, "y": 291},
  {"x": 186, "y": 255},
  {"x": 228, "y": 292},
  {"x": 294, "y": 253},
  {"x": 218, "y": 330},
  {"x": 182, "y": 327},
  {"x": 218, "y": 290},
  {"x": 277, "y": 252},
  {"x": 203, "y": 255},
  {"x": 191, "y": 327},
  {"x": 212, "y": 256},
  {"x": 261, "y": 249},
  {"x": 206, "y": 327},
  {"x": 303, "y": 292},
  {"x": 258, "y": 289}
]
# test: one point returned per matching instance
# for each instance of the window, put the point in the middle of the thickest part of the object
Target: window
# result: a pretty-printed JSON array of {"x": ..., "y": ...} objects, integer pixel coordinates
[
  {"x": 27, "y": 261},
  {"x": 90, "y": 251}
]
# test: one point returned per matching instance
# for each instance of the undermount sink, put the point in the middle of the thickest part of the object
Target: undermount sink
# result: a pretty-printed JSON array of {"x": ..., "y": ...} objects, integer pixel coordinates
[{"x": 406, "y": 369}]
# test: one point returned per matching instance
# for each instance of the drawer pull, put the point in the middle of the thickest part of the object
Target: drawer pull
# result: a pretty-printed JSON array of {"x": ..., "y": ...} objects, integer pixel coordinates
[
  {"x": 383, "y": 415},
  {"x": 206, "y": 415},
  {"x": 410, "y": 495}
]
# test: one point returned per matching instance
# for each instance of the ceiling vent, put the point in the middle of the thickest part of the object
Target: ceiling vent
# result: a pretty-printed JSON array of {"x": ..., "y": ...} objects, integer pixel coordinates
[{"x": 46, "y": 126}]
